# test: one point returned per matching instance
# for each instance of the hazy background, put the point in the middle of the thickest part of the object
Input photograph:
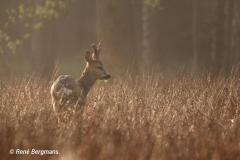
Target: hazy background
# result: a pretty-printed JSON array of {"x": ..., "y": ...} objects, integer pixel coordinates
[
  {"x": 138, "y": 116},
  {"x": 38, "y": 35}
]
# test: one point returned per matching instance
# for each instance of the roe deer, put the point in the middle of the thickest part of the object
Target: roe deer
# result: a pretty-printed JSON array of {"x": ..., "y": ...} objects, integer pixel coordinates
[{"x": 67, "y": 90}]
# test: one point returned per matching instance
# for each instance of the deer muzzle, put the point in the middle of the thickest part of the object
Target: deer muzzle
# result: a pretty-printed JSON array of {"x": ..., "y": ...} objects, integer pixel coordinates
[{"x": 107, "y": 76}]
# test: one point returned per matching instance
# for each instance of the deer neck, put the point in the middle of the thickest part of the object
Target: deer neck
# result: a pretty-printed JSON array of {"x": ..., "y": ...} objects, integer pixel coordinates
[{"x": 86, "y": 81}]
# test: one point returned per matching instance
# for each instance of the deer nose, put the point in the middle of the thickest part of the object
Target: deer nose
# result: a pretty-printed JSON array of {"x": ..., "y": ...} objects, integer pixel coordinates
[{"x": 107, "y": 76}]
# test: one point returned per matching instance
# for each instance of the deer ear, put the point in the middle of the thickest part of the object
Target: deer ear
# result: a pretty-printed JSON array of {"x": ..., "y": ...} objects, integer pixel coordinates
[{"x": 88, "y": 56}]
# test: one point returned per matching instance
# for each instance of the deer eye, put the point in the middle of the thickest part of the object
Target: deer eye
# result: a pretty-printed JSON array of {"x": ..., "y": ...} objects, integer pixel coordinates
[{"x": 99, "y": 67}]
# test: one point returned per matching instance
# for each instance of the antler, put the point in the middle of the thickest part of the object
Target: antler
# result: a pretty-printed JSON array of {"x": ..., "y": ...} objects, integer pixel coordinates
[
  {"x": 99, "y": 47},
  {"x": 97, "y": 50}
]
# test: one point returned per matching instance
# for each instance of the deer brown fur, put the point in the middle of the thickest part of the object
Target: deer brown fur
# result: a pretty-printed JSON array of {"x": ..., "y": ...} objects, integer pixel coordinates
[{"x": 66, "y": 90}]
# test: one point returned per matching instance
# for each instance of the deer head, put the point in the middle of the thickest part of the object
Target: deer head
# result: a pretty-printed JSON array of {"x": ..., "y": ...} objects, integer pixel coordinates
[{"x": 94, "y": 65}]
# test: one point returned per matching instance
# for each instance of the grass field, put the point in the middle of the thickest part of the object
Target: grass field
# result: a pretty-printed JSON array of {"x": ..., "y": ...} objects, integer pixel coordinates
[{"x": 141, "y": 118}]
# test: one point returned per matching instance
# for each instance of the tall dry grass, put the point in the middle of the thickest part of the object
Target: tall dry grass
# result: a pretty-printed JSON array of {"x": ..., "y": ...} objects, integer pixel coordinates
[{"x": 143, "y": 118}]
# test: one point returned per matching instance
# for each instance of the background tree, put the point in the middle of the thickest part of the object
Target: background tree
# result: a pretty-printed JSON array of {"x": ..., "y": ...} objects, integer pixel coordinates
[
  {"x": 26, "y": 20},
  {"x": 136, "y": 34}
]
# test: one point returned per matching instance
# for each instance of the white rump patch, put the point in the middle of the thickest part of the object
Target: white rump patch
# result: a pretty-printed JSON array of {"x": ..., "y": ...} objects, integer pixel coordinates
[{"x": 65, "y": 91}]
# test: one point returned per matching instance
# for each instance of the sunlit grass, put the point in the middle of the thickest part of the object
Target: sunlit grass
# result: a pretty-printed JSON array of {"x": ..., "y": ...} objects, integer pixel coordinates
[{"x": 145, "y": 117}]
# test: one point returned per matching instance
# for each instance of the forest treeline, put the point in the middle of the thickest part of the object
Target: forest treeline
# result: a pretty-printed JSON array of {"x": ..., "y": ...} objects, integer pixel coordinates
[{"x": 194, "y": 34}]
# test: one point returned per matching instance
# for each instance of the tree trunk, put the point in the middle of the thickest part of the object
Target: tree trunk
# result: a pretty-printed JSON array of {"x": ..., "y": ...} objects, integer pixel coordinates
[
  {"x": 43, "y": 50},
  {"x": 236, "y": 33},
  {"x": 195, "y": 35},
  {"x": 219, "y": 37},
  {"x": 146, "y": 44},
  {"x": 229, "y": 35},
  {"x": 137, "y": 32}
]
